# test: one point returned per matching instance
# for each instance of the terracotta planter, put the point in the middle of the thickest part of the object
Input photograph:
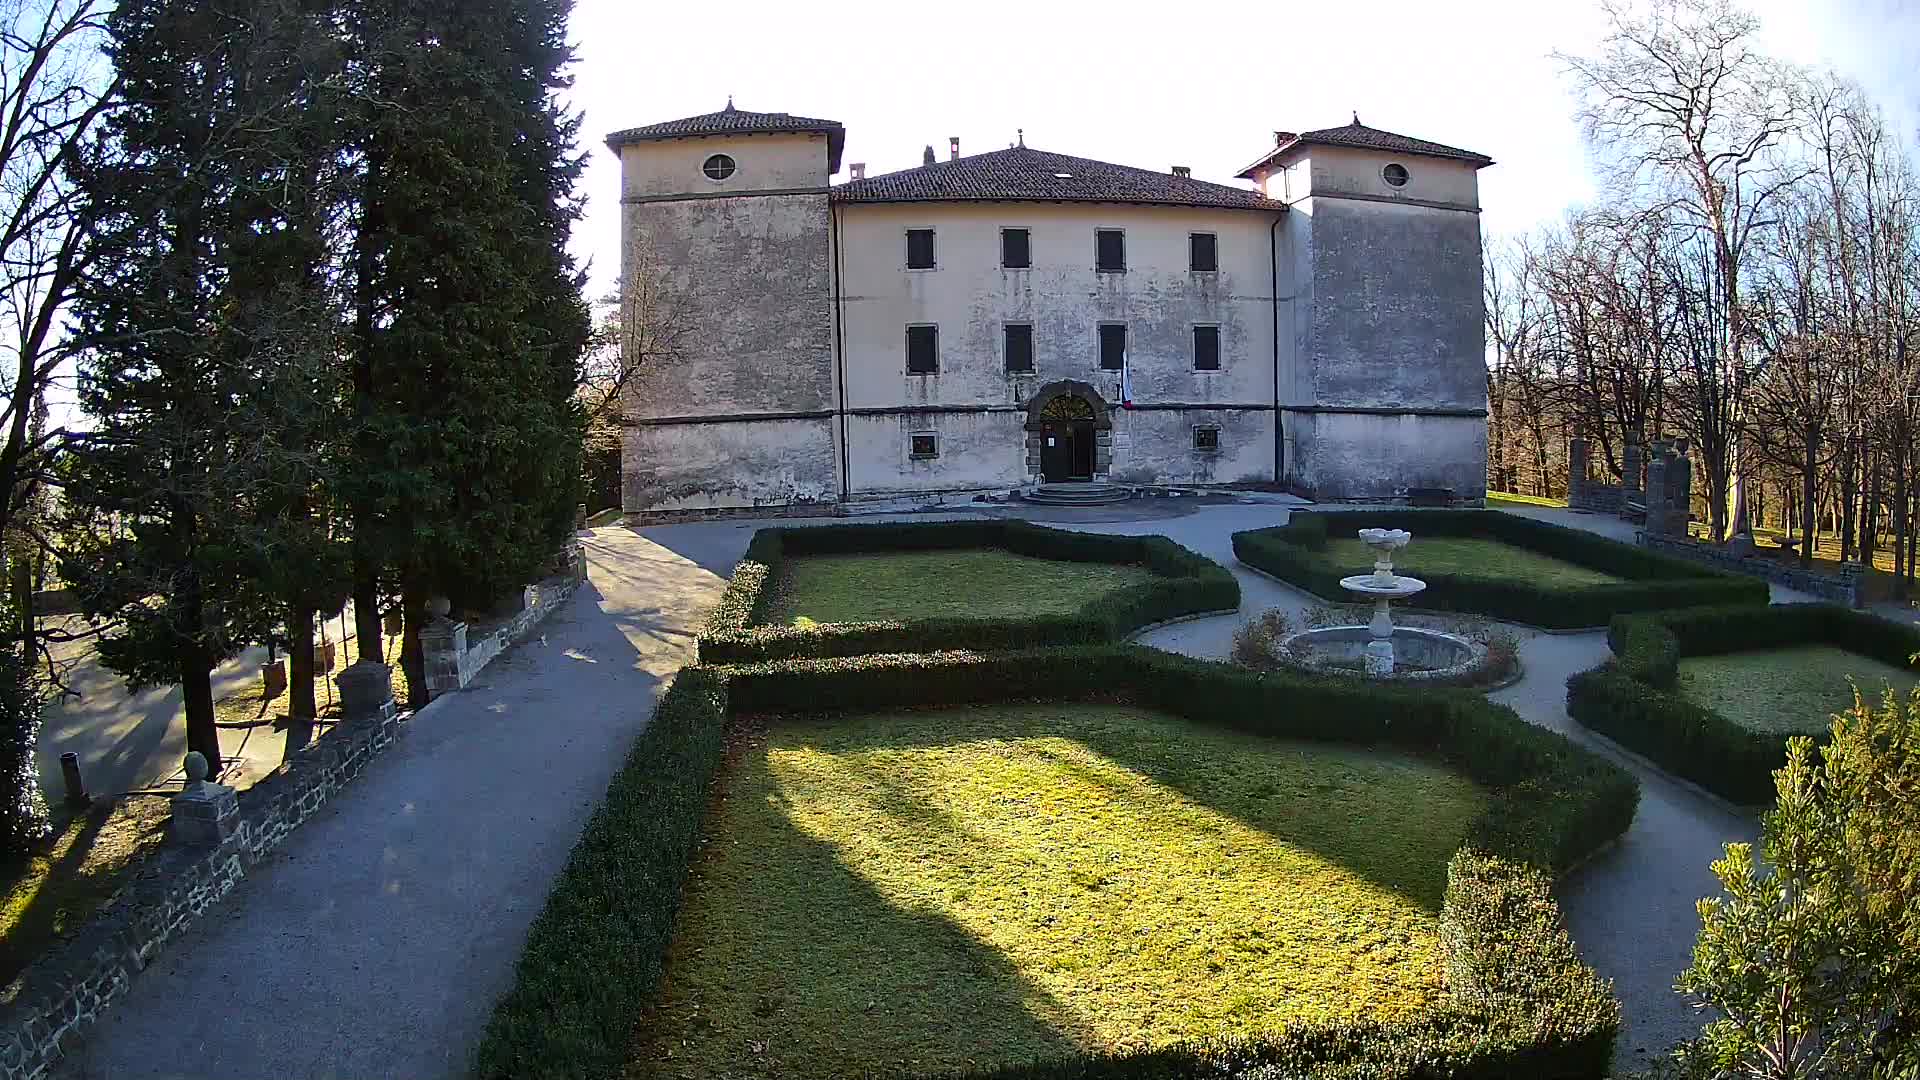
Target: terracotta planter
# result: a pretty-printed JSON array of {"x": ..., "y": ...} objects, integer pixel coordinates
[
  {"x": 273, "y": 678},
  {"x": 323, "y": 657}
]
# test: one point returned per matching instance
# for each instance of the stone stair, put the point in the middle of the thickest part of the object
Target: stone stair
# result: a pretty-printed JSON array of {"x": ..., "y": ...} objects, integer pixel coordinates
[{"x": 1077, "y": 494}]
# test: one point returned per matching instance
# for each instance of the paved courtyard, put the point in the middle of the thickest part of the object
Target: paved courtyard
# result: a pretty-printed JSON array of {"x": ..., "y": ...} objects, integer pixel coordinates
[{"x": 376, "y": 942}]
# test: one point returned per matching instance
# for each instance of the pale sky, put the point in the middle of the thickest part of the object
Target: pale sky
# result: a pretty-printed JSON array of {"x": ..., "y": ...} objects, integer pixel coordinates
[{"x": 1203, "y": 85}]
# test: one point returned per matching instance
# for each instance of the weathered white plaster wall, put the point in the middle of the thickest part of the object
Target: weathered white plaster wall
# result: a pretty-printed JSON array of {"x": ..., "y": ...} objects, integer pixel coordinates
[
  {"x": 971, "y": 297},
  {"x": 744, "y": 281},
  {"x": 729, "y": 465},
  {"x": 1362, "y": 456},
  {"x": 764, "y": 162}
]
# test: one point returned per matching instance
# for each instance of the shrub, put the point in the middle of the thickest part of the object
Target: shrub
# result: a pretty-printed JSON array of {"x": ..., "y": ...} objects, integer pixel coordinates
[
  {"x": 1632, "y": 697},
  {"x": 1256, "y": 644},
  {"x": 1295, "y": 553},
  {"x": 1520, "y": 1002},
  {"x": 1184, "y": 584}
]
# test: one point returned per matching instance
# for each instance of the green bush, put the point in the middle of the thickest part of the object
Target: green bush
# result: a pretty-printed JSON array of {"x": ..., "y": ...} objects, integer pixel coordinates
[
  {"x": 1295, "y": 553},
  {"x": 23, "y": 809},
  {"x": 1632, "y": 697},
  {"x": 1184, "y": 584},
  {"x": 1520, "y": 1002}
]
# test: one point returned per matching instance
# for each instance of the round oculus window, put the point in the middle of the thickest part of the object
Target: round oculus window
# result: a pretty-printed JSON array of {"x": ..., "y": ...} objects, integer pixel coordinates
[
  {"x": 720, "y": 166},
  {"x": 1395, "y": 175}
]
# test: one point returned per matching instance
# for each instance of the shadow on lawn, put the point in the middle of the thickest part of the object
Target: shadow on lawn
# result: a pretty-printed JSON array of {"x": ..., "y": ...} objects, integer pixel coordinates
[
  {"x": 786, "y": 963},
  {"x": 1334, "y": 813}
]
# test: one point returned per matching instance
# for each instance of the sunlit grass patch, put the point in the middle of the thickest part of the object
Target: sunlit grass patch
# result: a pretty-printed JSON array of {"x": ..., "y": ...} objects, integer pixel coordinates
[
  {"x": 953, "y": 583},
  {"x": 1470, "y": 555},
  {"x": 909, "y": 892},
  {"x": 1791, "y": 690}
]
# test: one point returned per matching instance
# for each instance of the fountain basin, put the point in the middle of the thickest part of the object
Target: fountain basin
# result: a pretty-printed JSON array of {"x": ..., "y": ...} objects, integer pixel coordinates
[{"x": 1419, "y": 655}]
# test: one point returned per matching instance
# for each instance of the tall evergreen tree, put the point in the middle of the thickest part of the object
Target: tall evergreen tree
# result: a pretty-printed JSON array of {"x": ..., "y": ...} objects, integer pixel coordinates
[
  {"x": 470, "y": 323},
  {"x": 196, "y": 322}
]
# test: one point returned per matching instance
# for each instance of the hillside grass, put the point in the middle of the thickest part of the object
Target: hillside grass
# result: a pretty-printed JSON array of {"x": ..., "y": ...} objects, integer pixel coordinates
[
  {"x": 954, "y": 583},
  {"x": 889, "y": 894},
  {"x": 1795, "y": 690},
  {"x": 1470, "y": 555}
]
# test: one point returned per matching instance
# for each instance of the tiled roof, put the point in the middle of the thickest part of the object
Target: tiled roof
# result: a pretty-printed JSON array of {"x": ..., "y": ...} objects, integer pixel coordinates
[
  {"x": 1362, "y": 137},
  {"x": 732, "y": 121},
  {"x": 1021, "y": 174}
]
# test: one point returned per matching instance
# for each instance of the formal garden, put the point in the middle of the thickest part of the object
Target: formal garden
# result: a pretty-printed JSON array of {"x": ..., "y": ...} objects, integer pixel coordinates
[
  {"x": 1713, "y": 694},
  {"x": 951, "y": 835},
  {"x": 1484, "y": 562}
]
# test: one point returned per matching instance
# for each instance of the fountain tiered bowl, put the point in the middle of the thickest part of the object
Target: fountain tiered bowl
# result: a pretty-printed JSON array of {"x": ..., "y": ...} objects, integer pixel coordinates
[{"x": 1381, "y": 650}]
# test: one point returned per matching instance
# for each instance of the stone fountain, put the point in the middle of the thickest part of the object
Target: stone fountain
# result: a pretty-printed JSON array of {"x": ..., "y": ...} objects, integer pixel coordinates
[
  {"x": 1385, "y": 651},
  {"x": 1383, "y": 587}
]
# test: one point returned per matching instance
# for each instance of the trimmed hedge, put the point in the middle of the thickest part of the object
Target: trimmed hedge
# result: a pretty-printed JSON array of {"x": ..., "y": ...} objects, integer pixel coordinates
[
  {"x": 1632, "y": 697},
  {"x": 1184, "y": 584},
  {"x": 1296, "y": 553},
  {"x": 1519, "y": 1001}
]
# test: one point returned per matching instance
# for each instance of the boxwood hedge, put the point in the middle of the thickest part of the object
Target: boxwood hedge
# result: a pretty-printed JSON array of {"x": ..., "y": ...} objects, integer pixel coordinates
[
  {"x": 1632, "y": 698},
  {"x": 1519, "y": 1002},
  {"x": 1184, "y": 584},
  {"x": 1296, "y": 553}
]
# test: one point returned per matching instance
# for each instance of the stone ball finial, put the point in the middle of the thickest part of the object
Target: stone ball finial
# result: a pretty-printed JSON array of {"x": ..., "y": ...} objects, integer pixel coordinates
[
  {"x": 196, "y": 764},
  {"x": 438, "y": 606}
]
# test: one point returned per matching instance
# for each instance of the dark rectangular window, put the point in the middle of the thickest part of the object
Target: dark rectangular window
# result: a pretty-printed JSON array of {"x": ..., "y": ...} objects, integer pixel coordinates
[
  {"x": 923, "y": 350},
  {"x": 1206, "y": 438},
  {"x": 1203, "y": 252},
  {"x": 919, "y": 249},
  {"x": 923, "y": 446},
  {"x": 1016, "y": 249},
  {"x": 1113, "y": 346},
  {"x": 1109, "y": 251},
  {"x": 1206, "y": 348},
  {"x": 1019, "y": 347}
]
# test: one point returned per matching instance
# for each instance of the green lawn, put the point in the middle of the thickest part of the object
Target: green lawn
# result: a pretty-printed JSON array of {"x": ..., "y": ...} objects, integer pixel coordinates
[
  {"x": 1795, "y": 689},
  {"x": 978, "y": 582},
  {"x": 921, "y": 891},
  {"x": 1473, "y": 555},
  {"x": 1508, "y": 498}
]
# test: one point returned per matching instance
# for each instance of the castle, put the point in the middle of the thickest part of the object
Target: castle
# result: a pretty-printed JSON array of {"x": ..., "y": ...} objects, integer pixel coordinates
[{"x": 988, "y": 322}]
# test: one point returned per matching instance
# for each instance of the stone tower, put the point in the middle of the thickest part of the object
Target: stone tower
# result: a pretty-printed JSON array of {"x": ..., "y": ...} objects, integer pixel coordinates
[
  {"x": 1384, "y": 389},
  {"x": 727, "y": 311}
]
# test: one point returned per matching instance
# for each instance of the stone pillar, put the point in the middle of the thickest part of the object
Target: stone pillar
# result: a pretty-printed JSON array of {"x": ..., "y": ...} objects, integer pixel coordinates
[
  {"x": 203, "y": 813},
  {"x": 1630, "y": 466},
  {"x": 366, "y": 692},
  {"x": 1657, "y": 490},
  {"x": 1679, "y": 489},
  {"x": 442, "y": 643},
  {"x": 1577, "y": 472}
]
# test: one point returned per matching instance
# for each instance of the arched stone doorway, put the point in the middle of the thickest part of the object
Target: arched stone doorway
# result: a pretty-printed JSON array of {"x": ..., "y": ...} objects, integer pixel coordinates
[{"x": 1069, "y": 433}]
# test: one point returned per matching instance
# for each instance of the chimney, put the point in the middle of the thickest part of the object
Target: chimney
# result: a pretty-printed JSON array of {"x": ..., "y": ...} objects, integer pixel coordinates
[
  {"x": 859, "y": 170},
  {"x": 926, "y": 156},
  {"x": 953, "y": 148},
  {"x": 1182, "y": 170}
]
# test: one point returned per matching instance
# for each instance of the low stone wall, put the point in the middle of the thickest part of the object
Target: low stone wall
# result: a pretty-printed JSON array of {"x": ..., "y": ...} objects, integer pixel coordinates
[
  {"x": 70, "y": 987},
  {"x": 1600, "y": 498},
  {"x": 454, "y": 653},
  {"x": 1841, "y": 587}
]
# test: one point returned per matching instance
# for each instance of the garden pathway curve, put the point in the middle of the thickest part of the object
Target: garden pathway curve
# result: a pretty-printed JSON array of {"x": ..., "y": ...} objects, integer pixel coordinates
[{"x": 376, "y": 941}]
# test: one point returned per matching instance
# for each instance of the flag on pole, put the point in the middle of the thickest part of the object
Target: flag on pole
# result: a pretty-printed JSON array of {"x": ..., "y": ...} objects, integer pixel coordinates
[{"x": 1126, "y": 382}]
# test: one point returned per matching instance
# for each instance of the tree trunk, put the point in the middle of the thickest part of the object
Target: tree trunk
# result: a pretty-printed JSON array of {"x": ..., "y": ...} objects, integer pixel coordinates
[
  {"x": 1849, "y": 491},
  {"x": 301, "y": 705},
  {"x": 1870, "y": 512},
  {"x": 196, "y": 693},
  {"x": 413, "y": 604},
  {"x": 366, "y": 620},
  {"x": 1806, "y": 496}
]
